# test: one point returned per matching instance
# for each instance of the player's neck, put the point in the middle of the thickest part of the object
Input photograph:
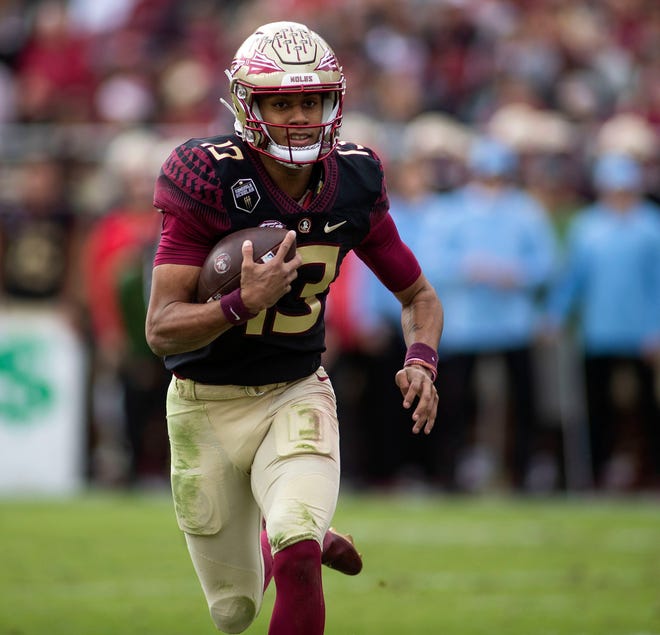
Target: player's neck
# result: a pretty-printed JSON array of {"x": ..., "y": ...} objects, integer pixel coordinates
[{"x": 292, "y": 181}]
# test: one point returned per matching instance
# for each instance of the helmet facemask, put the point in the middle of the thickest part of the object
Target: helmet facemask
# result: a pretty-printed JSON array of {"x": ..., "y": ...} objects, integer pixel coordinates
[{"x": 286, "y": 58}]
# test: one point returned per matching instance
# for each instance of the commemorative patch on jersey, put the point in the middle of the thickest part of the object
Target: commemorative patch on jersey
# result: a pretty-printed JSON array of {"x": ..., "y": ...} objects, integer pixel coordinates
[{"x": 246, "y": 196}]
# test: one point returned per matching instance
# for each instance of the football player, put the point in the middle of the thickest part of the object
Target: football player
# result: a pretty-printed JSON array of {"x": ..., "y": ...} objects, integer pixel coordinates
[{"x": 251, "y": 412}]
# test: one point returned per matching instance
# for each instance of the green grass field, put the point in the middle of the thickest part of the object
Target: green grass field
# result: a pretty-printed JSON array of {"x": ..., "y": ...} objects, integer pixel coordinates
[{"x": 105, "y": 564}]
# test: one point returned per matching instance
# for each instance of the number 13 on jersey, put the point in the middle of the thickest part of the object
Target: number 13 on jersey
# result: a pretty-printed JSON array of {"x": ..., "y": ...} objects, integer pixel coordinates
[{"x": 286, "y": 324}]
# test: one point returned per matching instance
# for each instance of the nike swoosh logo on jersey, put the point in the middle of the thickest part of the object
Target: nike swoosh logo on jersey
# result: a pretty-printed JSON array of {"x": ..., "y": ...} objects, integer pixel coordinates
[{"x": 330, "y": 228}]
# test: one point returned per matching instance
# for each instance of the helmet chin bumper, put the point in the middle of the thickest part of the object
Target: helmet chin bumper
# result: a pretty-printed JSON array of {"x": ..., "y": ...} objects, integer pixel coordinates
[
  {"x": 293, "y": 155},
  {"x": 289, "y": 153}
]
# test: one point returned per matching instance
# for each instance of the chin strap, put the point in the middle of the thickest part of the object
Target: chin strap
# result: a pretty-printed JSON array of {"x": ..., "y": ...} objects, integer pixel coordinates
[{"x": 309, "y": 154}]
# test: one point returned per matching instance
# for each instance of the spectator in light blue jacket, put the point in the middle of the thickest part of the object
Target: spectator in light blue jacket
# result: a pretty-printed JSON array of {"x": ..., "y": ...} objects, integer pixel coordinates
[
  {"x": 610, "y": 282},
  {"x": 489, "y": 254}
]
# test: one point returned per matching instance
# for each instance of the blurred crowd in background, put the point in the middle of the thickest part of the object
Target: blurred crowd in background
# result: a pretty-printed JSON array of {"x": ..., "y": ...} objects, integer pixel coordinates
[{"x": 521, "y": 144}]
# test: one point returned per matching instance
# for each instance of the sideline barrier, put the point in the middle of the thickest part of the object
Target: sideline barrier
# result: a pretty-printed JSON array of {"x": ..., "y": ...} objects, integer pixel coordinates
[{"x": 42, "y": 404}]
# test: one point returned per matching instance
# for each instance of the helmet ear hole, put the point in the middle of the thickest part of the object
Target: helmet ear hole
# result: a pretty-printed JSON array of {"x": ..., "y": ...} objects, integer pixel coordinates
[{"x": 285, "y": 57}]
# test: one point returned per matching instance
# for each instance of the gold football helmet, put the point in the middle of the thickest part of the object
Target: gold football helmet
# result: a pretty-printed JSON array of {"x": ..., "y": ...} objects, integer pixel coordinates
[{"x": 286, "y": 57}]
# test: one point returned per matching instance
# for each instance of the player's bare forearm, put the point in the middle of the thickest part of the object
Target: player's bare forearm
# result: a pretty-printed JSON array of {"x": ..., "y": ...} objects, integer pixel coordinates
[
  {"x": 180, "y": 327},
  {"x": 422, "y": 322},
  {"x": 422, "y": 315},
  {"x": 175, "y": 323}
]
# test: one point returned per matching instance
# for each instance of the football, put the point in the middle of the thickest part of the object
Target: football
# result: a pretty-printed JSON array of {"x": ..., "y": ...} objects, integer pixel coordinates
[{"x": 221, "y": 271}]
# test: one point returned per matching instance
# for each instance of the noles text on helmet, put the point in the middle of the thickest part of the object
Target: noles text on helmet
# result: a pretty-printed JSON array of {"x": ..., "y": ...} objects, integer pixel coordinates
[{"x": 286, "y": 58}]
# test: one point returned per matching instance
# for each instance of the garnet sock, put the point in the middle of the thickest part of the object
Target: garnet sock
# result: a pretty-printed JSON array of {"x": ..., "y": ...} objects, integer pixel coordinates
[
  {"x": 299, "y": 605},
  {"x": 268, "y": 558}
]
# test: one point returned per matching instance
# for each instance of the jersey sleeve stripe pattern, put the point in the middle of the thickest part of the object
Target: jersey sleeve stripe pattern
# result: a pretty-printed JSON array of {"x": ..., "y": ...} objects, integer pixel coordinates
[{"x": 188, "y": 182}]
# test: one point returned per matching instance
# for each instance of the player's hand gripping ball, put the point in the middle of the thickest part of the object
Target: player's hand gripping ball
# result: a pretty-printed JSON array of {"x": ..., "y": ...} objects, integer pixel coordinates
[{"x": 221, "y": 271}]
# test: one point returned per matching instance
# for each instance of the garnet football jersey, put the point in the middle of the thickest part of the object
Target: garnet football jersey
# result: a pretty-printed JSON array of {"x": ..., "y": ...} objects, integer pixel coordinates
[{"x": 211, "y": 187}]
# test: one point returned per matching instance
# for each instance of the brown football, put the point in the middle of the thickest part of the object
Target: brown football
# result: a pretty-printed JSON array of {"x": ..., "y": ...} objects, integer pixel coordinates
[{"x": 221, "y": 271}]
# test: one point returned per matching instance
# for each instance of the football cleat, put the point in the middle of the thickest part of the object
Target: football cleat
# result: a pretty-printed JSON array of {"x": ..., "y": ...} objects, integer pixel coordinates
[{"x": 340, "y": 554}]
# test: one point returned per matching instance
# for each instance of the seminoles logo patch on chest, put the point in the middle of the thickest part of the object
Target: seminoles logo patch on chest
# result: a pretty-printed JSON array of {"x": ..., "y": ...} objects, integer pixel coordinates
[{"x": 245, "y": 194}]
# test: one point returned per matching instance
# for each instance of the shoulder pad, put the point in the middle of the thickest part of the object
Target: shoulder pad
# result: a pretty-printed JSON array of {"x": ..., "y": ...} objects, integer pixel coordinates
[{"x": 190, "y": 170}]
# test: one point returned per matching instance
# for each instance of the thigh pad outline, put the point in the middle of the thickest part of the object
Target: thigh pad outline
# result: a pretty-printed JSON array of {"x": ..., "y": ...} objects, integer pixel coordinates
[{"x": 309, "y": 426}]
